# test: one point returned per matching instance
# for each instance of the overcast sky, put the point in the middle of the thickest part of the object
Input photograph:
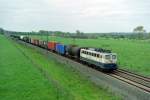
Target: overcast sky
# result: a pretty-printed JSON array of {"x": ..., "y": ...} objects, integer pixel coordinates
[{"x": 70, "y": 15}]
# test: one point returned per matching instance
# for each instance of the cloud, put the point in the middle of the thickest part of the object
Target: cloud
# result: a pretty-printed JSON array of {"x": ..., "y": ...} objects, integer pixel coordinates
[{"x": 69, "y": 15}]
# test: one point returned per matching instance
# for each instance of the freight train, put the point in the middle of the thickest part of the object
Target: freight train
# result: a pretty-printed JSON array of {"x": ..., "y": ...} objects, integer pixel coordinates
[{"x": 101, "y": 59}]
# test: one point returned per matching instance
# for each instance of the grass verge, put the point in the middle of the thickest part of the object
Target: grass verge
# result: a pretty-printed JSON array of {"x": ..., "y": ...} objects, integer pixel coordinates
[{"x": 19, "y": 80}]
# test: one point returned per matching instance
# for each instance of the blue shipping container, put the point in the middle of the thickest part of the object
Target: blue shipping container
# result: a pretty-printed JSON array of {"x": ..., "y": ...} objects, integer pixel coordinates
[{"x": 60, "y": 48}]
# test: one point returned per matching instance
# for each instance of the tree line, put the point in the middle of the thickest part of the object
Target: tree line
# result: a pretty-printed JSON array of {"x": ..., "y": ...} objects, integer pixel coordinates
[{"x": 138, "y": 33}]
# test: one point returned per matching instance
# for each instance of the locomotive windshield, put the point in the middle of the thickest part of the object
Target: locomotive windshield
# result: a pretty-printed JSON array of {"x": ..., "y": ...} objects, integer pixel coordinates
[
  {"x": 114, "y": 57},
  {"x": 109, "y": 57}
]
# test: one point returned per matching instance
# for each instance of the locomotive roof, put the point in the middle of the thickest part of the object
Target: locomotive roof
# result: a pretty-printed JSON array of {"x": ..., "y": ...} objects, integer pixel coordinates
[{"x": 97, "y": 50}]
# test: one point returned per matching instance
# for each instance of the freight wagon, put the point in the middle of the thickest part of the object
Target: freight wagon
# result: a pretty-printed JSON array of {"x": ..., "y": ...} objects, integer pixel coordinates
[
  {"x": 29, "y": 40},
  {"x": 43, "y": 44},
  {"x": 26, "y": 39},
  {"x": 73, "y": 51},
  {"x": 51, "y": 45},
  {"x": 61, "y": 49},
  {"x": 35, "y": 41},
  {"x": 40, "y": 43},
  {"x": 32, "y": 41}
]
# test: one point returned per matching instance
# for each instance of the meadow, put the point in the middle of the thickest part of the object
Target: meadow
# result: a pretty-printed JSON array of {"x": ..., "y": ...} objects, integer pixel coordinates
[
  {"x": 133, "y": 55},
  {"x": 20, "y": 78}
]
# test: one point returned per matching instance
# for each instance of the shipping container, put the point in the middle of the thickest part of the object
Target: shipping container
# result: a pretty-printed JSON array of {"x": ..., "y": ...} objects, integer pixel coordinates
[
  {"x": 26, "y": 39},
  {"x": 61, "y": 49},
  {"x": 32, "y": 41},
  {"x": 21, "y": 37},
  {"x": 51, "y": 45},
  {"x": 40, "y": 43},
  {"x": 29, "y": 40},
  {"x": 43, "y": 44},
  {"x": 35, "y": 41}
]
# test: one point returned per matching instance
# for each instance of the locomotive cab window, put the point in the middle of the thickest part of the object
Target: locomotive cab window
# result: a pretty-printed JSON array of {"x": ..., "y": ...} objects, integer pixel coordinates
[
  {"x": 97, "y": 55},
  {"x": 86, "y": 52},
  {"x": 82, "y": 52},
  {"x": 107, "y": 57},
  {"x": 90, "y": 53}
]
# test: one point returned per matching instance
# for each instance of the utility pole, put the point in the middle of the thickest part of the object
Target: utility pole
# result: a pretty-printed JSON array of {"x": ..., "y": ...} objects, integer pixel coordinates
[{"x": 47, "y": 41}]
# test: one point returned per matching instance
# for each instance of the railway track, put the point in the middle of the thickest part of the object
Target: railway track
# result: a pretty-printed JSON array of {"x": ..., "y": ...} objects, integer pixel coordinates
[{"x": 132, "y": 79}]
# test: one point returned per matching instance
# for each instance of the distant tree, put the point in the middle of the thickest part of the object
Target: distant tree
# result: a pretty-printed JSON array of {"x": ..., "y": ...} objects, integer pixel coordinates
[
  {"x": 34, "y": 33},
  {"x": 41, "y": 31},
  {"x": 78, "y": 32},
  {"x": 122, "y": 36},
  {"x": 68, "y": 34},
  {"x": 149, "y": 35},
  {"x": 1, "y": 31},
  {"x": 139, "y": 29},
  {"x": 58, "y": 33}
]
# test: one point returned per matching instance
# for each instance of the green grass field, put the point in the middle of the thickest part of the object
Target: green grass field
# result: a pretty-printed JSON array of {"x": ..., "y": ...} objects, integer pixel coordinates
[
  {"x": 21, "y": 80},
  {"x": 133, "y": 55}
]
